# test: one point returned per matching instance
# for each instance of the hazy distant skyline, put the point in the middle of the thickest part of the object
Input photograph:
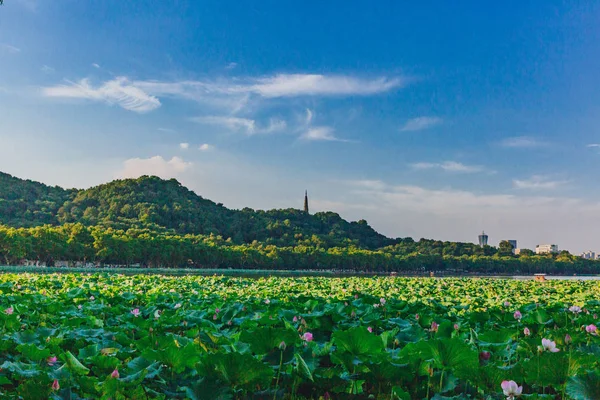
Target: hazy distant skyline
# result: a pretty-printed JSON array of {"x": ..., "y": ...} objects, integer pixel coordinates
[{"x": 435, "y": 121}]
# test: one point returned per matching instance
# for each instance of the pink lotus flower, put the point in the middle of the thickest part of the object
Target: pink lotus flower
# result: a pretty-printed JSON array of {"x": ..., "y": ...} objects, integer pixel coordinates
[
  {"x": 353, "y": 314},
  {"x": 217, "y": 310},
  {"x": 80, "y": 307},
  {"x": 376, "y": 305},
  {"x": 370, "y": 329},
  {"x": 267, "y": 301},
  {"x": 356, "y": 296},
  {"x": 215, "y": 317},
  {"x": 484, "y": 355},
  {"x": 115, "y": 374},
  {"x": 575, "y": 309},
  {"x": 307, "y": 336},
  {"x": 135, "y": 312},
  {"x": 506, "y": 304},
  {"x": 178, "y": 305},
  {"x": 417, "y": 317},
  {"x": 55, "y": 385},
  {"x": 282, "y": 346},
  {"x": 382, "y": 301},
  {"x": 518, "y": 315},
  {"x": 568, "y": 339},
  {"x": 456, "y": 327},
  {"x": 434, "y": 326},
  {"x": 295, "y": 319},
  {"x": 51, "y": 360},
  {"x": 9, "y": 311},
  {"x": 92, "y": 298},
  {"x": 549, "y": 345},
  {"x": 511, "y": 389},
  {"x": 526, "y": 331},
  {"x": 592, "y": 329}
]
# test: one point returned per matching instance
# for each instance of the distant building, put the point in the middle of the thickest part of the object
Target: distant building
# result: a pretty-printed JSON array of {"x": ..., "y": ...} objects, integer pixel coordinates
[
  {"x": 483, "y": 239},
  {"x": 589, "y": 255},
  {"x": 513, "y": 243},
  {"x": 306, "y": 201},
  {"x": 546, "y": 249}
]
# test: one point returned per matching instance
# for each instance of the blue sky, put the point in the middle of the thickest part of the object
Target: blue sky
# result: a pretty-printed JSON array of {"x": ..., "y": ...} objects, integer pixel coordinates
[{"x": 430, "y": 120}]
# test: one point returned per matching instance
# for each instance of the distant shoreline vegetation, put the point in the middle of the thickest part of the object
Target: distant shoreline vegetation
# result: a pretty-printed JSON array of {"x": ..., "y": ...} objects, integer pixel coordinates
[
  {"x": 103, "y": 246},
  {"x": 157, "y": 223}
]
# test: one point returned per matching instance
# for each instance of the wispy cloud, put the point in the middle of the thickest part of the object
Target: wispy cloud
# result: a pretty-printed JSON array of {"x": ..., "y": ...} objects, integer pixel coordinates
[
  {"x": 157, "y": 165},
  {"x": 96, "y": 65},
  {"x": 291, "y": 85},
  {"x": 243, "y": 125},
  {"x": 421, "y": 123},
  {"x": 450, "y": 166},
  {"x": 309, "y": 116},
  {"x": 522, "y": 142},
  {"x": 593, "y": 145},
  {"x": 538, "y": 182},
  {"x": 235, "y": 93},
  {"x": 206, "y": 147},
  {"x": 184, "y": 146},
  {"x": 231, "y": 94},
  {"x": 119, "y": 91},
  {"x": 231, "y": 65},
  {"x": 321, "y": 133},
  {"x": 47, "y": 70},
  {"x": 7, "y": 48}
]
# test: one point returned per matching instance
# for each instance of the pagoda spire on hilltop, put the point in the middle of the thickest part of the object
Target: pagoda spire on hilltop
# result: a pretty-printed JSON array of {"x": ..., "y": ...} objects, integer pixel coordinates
[{"x": 306, "y": 201}]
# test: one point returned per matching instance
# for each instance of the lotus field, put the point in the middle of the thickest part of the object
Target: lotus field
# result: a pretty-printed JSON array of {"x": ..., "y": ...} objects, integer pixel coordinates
[{"x": 99, "y": 336}]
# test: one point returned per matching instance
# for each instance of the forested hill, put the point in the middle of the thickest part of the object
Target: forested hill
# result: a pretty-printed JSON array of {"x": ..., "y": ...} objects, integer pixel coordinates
[
  {"x": 24, "y": 203},
  {"x": 165, "y": 205}
]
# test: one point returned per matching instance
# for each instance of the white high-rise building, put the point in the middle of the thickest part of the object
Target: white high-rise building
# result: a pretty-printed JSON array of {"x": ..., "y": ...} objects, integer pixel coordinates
[
  {"x": 589, "y": 255},
  {"x": 546, "y": 248}
]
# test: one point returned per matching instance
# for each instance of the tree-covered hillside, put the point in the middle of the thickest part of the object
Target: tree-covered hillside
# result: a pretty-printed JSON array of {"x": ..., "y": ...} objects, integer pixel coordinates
[
  {"x": 24, "y": 203},
  {"x": 167, "y": 206}
]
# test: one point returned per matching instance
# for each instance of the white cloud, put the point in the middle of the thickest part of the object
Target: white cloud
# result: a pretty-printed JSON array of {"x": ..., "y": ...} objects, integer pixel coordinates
[
  {"x": 522, "y": 142},
  {"x": 157, "y": 165},
  {"x": 450, "y": 166},
  {"x": 184, "y": 146},
  {"x": 95, "y": 65},
  {"x": 243, "y": 125},
  {"x": 47, "y": 70},
  {"x": 166, "y": 130},
  {"x": 593, "y": 145},
  {"x": 537, "y": 182},
  {"x": 119, "y": 91},
  {"x": 7, "y": 48},
  {"x": 321, "y": 133},
  {"x": 309, "y": 116},
  {"x": 421, "y": 123},
  {"x": 231, "y": 94},
  {"x": 291, "y": 85},
  {"x": 231, "y": 65},
  {"x": 206, "y": 147}
]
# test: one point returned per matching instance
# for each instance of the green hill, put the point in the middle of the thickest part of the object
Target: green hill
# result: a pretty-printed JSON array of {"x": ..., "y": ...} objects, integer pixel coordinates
[
  {"x": 24, "y": 203},
  {"x": 167, "y": 206}
]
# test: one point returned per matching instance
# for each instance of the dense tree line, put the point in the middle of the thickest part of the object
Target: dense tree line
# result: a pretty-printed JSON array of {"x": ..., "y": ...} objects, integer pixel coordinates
[
  {"x": 166, "y": 206},
  {"x": 107, "y": 246}
]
